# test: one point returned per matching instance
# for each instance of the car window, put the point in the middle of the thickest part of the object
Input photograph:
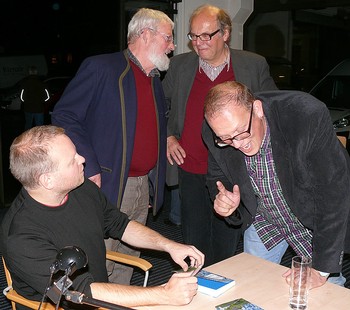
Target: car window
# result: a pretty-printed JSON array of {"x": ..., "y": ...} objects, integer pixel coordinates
[
  {"x": 57, "y": 84},
  {"x": 334, "y": 91}
]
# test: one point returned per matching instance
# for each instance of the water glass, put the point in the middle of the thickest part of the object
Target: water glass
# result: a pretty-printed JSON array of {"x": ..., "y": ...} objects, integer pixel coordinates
[{"x": 300, "y": 282}]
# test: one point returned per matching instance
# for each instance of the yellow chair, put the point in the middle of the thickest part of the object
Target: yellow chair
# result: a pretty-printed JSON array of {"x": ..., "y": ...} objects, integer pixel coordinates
[{"x": 15, "y": 298}]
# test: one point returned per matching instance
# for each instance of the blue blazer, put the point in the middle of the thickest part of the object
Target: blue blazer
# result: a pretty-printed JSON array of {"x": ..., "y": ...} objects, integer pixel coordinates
[{"x": 98, "y": 110}]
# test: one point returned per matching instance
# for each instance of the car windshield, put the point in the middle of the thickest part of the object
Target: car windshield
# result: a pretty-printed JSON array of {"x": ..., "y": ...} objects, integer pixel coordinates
[{"x": 334, "y": 91}]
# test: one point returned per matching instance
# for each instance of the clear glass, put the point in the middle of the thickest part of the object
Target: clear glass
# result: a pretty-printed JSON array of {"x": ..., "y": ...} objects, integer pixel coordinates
[{"x": 300, "y": 282}]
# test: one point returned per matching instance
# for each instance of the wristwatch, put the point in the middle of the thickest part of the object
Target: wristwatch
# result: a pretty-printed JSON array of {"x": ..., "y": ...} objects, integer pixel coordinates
[{"x": 323, "y": 274}]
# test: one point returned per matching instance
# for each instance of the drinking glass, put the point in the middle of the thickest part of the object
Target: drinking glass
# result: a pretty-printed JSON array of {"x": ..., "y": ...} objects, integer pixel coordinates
[{"x": 300, "y": 282}]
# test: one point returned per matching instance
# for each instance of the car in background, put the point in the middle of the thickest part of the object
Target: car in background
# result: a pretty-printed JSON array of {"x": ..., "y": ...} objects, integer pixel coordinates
[
  {"x": 10, "y": 97},
  {"x": 334, "y": 91},
  {"x": 282, "y": 72}
]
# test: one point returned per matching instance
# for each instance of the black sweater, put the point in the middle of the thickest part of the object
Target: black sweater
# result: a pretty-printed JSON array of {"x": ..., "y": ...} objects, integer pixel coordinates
[{"x": 33, "y": 234}]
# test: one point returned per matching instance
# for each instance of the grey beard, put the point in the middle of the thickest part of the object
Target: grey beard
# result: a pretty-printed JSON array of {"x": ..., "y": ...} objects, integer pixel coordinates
[{"x": 161, "y": 62}]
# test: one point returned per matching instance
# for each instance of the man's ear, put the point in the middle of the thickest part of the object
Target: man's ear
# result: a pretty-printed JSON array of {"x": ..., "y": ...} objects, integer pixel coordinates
[
  {"x": 258, "y": 109},
  {"x": 46, "y": 180},
  {"x": 145, "y": 35},
  {"x": 226, "y": 35}
]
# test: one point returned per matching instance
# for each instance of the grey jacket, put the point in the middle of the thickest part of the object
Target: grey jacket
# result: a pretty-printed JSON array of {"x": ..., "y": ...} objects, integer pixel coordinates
[
  {"x": 312, "y": 168},
  {"x": 249, "y": 68}
]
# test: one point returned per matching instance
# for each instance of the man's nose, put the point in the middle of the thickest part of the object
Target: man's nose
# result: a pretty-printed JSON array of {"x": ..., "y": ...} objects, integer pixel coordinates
[
  {"x": 236, "y": 144},
  {"x": 81, "y": 159},
  {"x": 197, "y": 42}
]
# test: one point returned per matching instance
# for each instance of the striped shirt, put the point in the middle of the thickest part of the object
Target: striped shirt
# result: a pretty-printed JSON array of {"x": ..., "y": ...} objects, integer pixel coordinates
[{"x": 274, "y": 220}]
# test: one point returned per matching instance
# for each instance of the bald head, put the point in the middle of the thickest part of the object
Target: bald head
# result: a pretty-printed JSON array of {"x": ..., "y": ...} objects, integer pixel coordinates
[
  {"x": 225, "y": 95},
  {"x": 222, "y": 17}
]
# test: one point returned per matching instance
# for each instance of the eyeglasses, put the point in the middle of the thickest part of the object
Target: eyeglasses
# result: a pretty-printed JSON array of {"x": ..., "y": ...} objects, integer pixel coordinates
[
  {"x": 203, "y": 36},
  {"x": 166, "y": 37},
  {"x": 241, "y": 136}
]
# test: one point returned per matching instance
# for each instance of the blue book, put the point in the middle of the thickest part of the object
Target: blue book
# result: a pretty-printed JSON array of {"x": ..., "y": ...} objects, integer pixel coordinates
[{"x": 213, "y": 284}]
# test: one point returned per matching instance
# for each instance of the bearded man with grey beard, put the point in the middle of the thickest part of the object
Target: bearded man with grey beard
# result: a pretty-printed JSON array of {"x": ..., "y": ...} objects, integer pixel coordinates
[{"x": 114, "y": 112}]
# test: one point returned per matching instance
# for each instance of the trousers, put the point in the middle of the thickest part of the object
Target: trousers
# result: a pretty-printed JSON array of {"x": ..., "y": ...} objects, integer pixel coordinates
[
  {"x": 201, "y": 226},
  {"x": 135, "y": 204},
  {"x": 33, "y": 119}
]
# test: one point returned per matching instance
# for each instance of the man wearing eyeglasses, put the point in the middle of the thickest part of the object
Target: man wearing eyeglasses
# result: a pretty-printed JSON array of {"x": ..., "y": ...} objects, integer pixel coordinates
[
  {"x": 189, "y": 78},
  {"x": 114, "y": 112},
  {"x": 277, "y": 169}
]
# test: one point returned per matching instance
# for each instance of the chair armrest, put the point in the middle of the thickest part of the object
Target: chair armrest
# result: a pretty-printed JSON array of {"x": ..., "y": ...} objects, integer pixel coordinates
[
  {"x": 13, "y": 296},
  {"x": 129, "y": 260}
]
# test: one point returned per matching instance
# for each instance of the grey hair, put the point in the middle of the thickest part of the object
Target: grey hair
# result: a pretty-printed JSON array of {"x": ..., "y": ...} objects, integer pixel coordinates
[{"x": 146, "y": 18}]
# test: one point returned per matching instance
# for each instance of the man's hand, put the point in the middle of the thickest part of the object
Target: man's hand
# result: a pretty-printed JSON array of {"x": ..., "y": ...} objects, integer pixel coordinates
[
  {"x": 316, "y": 280},
  {"x": 179, "y": 252},
  {"x": 175, "y": 151},
  {"x": 96, "y": 179},
  {"x": 178, "y": 291},
  {"x": 226, "y": 202},
  {"x": 181, "y": 288}
]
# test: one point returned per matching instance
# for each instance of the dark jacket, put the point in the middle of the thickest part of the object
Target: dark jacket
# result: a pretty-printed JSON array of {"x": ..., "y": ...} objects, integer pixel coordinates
[
  {"x": 98, "y": 111},
  {"x": 312, "y": 168},
  {"x": 34, "y": 94}
]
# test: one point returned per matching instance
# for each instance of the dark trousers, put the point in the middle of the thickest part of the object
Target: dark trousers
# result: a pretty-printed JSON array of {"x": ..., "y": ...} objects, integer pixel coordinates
[{"x": 201, "y": 226}]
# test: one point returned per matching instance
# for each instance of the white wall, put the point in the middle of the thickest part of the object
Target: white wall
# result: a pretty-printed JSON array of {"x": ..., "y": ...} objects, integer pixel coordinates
[{"x": 239, "y": 11}]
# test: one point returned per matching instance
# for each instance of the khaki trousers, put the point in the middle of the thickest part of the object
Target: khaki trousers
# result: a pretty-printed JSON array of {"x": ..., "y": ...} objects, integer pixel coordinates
[{"x": 135, "y": 204}]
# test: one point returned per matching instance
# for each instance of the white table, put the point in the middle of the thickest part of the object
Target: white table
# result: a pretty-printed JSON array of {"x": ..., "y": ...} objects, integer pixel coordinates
[{"x": 261, "y": 282}]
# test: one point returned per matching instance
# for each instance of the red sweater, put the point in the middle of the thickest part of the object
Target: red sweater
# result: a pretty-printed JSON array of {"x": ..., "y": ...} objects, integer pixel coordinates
[
  {"x": 196, "y": 160},
  {"x": 145, "y": 151}
]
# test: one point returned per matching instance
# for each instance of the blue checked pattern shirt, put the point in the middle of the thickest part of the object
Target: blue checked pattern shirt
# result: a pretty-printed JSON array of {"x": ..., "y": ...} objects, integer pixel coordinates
[{"x": 274, "y": 220}]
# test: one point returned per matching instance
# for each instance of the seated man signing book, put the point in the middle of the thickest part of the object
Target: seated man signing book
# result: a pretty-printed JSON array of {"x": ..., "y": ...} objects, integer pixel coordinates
[{"x": 57, "y": 207}]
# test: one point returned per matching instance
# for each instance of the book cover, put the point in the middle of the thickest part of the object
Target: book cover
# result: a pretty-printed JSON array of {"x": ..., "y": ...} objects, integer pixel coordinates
[
  {"x": 238, "y": 304},
  {"x": 213, "y": 284}
]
